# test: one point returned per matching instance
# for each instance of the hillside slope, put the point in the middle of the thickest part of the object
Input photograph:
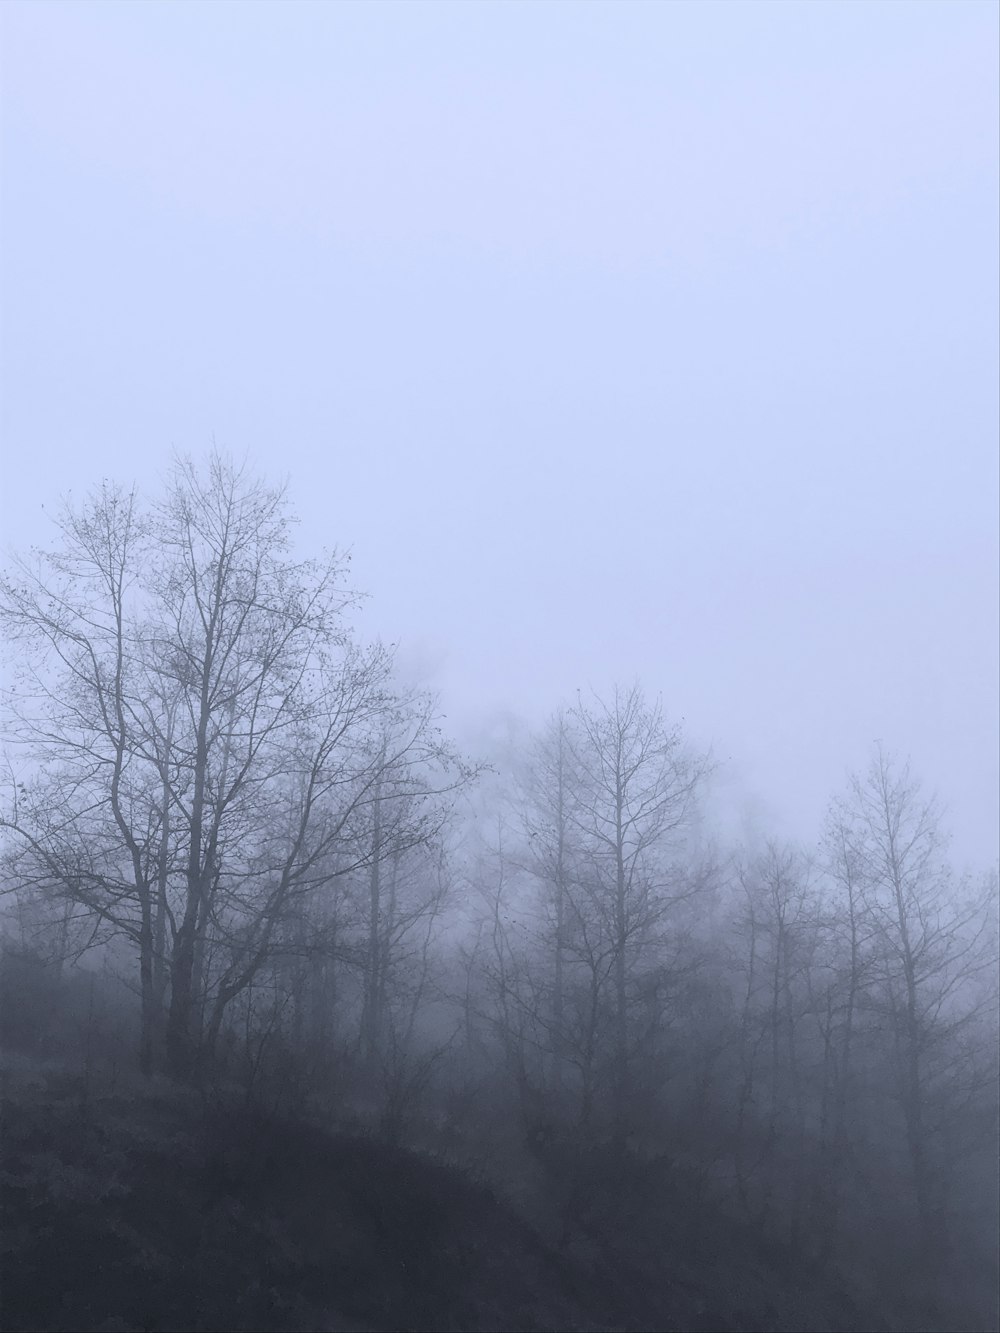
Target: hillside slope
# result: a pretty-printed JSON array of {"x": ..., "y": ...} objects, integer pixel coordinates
[{"x": 153, "y": 1210}]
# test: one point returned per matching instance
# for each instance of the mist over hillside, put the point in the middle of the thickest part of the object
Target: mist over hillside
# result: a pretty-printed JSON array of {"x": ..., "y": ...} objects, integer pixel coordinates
[
  {"x": 500, "y": 634},
  {"x": 245, "y": 860}
]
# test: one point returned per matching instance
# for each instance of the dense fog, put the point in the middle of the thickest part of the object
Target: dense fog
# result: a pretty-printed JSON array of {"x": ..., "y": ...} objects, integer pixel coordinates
[{"x": 500, "y": 604}]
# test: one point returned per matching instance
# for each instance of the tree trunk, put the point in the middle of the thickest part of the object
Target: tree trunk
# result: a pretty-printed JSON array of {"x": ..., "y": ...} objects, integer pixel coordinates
[{"x": 371, "y": 1018}]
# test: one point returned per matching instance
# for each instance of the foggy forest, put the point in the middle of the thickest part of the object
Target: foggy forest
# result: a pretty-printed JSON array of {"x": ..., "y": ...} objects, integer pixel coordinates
[
  {"x": 499, "y": 616},
  {"x": 717, "y": 1086}
]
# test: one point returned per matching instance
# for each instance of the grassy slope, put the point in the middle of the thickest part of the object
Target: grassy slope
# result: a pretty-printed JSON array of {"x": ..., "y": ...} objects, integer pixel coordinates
[{"x": 151, "y": 1211}]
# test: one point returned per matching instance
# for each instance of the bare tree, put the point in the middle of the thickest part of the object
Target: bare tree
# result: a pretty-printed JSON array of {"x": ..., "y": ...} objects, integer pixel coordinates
[
  {"x": 931, "y": 943},
  {"x": 777, "y": 929},
  {"x": 632, "y": 802},
  {"x": 544, "y": 797},
  {"x": 86, "y": 820},
  {"x": 202, "y": 739}
]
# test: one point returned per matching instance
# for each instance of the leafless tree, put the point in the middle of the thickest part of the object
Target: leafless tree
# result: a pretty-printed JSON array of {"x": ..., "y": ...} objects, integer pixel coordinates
[
  {"x": 776, "y": 926},
  {"x": 930, "y": 946},
  {"x": 632, "y": 801},
  {"x": 203, "y": 742}
]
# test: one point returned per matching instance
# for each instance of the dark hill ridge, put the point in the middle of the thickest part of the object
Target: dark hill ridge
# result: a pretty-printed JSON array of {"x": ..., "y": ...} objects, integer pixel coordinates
[{"x": 154, "y": 1211}]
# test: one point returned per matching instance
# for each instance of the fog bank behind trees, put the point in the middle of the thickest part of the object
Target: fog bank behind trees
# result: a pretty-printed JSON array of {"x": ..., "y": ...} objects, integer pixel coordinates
[{"x": 221, "y": 798}]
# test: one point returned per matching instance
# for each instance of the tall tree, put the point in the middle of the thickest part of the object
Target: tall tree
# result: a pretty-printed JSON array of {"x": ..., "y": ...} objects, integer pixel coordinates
[
  {"x": 87, "y": 818},
  {"x": 544, "y": 799},
  {"x": 777, "y": 928},
  {"x": 931, "y": 942},
  {"x": 198, "y": 730},
  {"x": 632, "y": 801}
]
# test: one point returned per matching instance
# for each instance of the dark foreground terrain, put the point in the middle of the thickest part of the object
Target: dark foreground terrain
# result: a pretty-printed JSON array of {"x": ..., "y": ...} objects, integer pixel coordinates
[{"x": 156, "y": 1209}]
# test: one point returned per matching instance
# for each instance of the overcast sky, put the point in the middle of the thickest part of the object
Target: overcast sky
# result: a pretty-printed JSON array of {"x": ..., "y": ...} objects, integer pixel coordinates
[{"x": 617, "y": 340}]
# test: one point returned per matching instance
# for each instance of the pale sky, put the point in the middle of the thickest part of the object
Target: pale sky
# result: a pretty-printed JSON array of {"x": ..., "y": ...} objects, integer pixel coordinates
[{"x": 616, "y": 340}]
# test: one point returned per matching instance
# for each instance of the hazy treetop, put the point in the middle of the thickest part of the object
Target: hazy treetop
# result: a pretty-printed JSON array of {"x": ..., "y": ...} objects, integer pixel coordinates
[{"x": 616, "y": 338}]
